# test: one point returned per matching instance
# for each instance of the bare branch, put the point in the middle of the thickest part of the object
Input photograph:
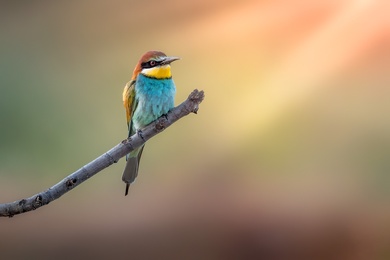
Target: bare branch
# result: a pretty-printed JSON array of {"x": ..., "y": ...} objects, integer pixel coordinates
[{"x": 112, "y": 156}]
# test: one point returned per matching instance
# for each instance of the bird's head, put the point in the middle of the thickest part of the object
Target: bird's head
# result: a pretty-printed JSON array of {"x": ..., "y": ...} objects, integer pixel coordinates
[{"x": 154, "y": 64}]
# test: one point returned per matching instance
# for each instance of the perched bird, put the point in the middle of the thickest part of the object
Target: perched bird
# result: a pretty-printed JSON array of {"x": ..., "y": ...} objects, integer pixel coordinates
[{"x": 149, "y": 94}]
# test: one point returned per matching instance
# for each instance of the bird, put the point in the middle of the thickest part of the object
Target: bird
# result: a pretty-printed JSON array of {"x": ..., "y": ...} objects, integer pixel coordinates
[{"x": 148, "y": 95}]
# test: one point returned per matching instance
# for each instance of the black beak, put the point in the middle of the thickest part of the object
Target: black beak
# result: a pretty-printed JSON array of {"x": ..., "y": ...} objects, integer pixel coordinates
[{"x": 168, "y": 60}]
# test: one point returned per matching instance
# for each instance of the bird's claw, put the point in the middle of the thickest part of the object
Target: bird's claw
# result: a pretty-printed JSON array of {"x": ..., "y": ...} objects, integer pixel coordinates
[
  {"x": 139, "y": 132},
  {"x": 161, "y": 122}
]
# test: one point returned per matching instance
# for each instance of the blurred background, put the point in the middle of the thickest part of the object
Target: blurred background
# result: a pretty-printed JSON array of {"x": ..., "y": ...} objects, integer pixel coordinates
[{"x": 288, "y": 157}]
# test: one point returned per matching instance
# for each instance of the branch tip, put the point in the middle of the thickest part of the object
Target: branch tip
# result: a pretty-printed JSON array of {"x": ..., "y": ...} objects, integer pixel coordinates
[{"x": 196, "y": 96}]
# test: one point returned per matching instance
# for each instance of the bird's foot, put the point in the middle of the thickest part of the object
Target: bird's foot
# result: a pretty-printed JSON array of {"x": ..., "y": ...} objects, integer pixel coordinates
[
  {"x": 139, "y": 132},
  {"x": 165, "y": 116},
  {"x": 161, "y": 122}
]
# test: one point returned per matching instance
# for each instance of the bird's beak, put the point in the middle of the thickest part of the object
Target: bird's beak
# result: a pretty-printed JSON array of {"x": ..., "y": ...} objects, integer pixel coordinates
[{"x": 168, "y": 60}]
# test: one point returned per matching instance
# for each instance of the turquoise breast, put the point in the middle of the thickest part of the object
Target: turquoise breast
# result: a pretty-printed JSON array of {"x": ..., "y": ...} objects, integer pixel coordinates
[{"x": 154, "y": 98}]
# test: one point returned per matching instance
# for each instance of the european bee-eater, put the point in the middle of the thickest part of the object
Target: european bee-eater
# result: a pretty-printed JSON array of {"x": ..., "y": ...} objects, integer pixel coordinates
[{"x": 148, "y": 95}]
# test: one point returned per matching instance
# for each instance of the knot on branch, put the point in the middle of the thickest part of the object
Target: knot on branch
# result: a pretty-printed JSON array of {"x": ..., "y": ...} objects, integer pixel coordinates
[
  {"x": 38, "y": 201},
  {"x": 127, "y": 142},
  {"x": 70, "y": 183}
]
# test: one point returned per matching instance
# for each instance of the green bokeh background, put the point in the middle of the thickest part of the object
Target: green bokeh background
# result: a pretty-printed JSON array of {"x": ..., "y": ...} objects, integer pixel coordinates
[{"x": 296, "y": 113}]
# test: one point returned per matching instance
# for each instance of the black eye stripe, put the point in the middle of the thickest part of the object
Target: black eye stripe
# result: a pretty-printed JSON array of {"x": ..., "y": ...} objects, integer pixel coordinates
[{"x": 150, "y": 64}]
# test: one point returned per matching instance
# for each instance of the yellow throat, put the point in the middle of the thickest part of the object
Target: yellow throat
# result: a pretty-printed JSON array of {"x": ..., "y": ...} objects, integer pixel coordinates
[{"x": 159, "y": 72}]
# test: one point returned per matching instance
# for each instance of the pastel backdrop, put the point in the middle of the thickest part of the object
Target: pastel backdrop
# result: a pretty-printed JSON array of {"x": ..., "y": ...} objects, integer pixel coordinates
[{"x": 294, "y": 128}]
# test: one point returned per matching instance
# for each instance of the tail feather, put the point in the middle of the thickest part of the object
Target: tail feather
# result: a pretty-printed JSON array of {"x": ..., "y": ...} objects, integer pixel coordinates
[
  {"x": 127, "y": 188},
  {"x": 131, "y": 169}
]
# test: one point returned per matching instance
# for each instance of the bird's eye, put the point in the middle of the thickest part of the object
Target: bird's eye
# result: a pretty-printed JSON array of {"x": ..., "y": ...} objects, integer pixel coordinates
[{"x": 152, "y": 63}]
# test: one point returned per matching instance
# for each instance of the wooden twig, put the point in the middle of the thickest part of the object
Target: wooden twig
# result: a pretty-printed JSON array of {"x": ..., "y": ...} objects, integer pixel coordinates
[{"x": 112, "y": 156}]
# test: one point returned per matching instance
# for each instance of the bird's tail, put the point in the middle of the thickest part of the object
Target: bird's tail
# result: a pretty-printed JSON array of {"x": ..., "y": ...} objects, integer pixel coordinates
[{"x": 131, "y": 169}]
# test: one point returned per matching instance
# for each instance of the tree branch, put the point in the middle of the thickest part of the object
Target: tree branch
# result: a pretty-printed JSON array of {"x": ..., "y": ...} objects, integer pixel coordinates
[{"x": 112, "y": 156}]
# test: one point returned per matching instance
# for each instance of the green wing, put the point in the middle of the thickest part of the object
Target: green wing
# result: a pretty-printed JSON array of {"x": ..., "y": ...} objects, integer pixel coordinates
[{"x": 130, "y": 104}]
